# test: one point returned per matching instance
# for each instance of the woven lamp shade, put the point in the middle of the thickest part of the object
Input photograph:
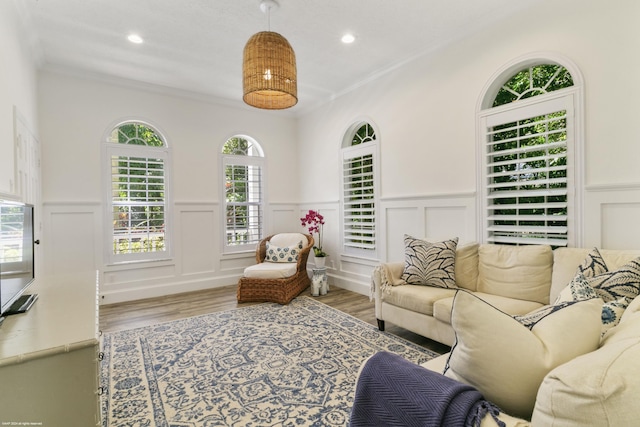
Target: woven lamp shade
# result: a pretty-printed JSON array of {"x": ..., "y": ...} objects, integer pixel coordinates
[{"x": 269, "y": 72}]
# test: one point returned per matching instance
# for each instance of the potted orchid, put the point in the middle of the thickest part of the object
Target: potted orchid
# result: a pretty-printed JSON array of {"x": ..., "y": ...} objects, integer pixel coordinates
[{"x": 314, "y": 222}]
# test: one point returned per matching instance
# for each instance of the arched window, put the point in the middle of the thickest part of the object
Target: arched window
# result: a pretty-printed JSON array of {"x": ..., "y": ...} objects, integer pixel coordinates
[
  {"x": 243, "y": 166},
  {"x": 528, "y": 148},
  {"x": 359, "y": 190},
  {"x": 137, "y": 164}
]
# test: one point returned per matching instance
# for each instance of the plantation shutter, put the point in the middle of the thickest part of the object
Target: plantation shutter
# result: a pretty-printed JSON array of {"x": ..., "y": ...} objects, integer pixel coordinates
[
  {"x": 359, "y": 220},
  {"x": 138, "y": 201},
  {"x": 526, "y": 173},
  {"x": 243, "y": 200}
]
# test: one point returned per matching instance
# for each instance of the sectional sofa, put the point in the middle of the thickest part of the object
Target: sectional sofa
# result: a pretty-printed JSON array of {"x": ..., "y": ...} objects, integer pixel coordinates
[{"x": 550, "y": 336}]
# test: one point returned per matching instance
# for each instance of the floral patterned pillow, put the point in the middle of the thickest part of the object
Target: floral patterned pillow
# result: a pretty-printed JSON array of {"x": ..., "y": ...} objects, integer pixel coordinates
[{"x": 286, "y": 254}]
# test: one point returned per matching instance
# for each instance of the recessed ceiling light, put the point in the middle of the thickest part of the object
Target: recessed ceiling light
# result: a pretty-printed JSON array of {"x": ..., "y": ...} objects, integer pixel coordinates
[
  {"x": 348, "y": 38},
  {"x": 134, "y": 38}
]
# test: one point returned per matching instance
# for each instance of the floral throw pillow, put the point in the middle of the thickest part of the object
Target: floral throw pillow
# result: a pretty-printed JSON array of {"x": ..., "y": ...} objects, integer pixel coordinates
[
  {"x": 286, "y": 254},
  {"x": 616, "y": 288},
  {"x": 429, "y": 264},
  {"x": 612, "y": 313},
  {"x": 577, "y": 290}
]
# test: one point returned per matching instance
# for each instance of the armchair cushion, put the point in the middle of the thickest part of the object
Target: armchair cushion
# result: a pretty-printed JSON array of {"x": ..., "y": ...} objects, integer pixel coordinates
[
  {"x": 287, "y": 239},
  {"x": 271, "y": 270}
]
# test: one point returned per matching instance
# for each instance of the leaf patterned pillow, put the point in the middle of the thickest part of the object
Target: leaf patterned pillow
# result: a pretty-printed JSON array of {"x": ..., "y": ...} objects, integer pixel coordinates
[
  {"x": 429, "y": 264},
  {"x": 623, "y": 282},
  {"x": 287, "y": 254},
  {"x": 593, "y": 264}
]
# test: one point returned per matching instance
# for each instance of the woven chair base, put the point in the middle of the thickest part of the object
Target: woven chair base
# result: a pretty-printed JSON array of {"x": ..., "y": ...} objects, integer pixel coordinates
[{"x": 281, "y": 291}]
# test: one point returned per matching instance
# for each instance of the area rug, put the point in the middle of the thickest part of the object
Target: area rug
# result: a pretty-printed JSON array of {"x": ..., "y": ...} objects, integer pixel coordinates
[{"x": 261, "y": 365}]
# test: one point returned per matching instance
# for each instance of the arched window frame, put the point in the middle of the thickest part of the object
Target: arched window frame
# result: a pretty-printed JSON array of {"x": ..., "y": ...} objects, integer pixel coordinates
[
  {"x": 361, "y": 243},
  {"x": 158, "y": 238},
  {"x": 253, "y": 161},
  {"x": 571, "y": 98}
]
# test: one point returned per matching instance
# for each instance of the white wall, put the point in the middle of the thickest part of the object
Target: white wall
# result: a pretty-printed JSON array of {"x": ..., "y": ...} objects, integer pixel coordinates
[
  {"x": 76, "y": 114},
  {"x": 17, "y": 91},
  {"x": 425, "y": 114}
]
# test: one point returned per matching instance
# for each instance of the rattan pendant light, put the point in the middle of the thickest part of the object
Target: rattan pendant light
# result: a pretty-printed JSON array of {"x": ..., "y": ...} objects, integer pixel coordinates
[{"x": 269, "y": 69}]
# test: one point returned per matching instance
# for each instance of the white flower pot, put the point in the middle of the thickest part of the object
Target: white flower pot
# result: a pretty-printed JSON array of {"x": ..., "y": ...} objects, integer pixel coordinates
[{"x": 320, "y": 261}]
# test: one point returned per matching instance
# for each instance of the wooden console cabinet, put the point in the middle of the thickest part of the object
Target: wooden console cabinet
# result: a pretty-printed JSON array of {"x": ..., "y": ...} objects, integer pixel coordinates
[{"x": 49, "y": 356}]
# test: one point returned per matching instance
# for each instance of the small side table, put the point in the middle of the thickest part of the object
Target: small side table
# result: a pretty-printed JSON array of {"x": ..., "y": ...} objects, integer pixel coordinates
[{"x": 319, "y": 282}]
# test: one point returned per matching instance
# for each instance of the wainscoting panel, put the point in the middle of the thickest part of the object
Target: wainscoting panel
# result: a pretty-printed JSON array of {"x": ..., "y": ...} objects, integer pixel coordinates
[
  {"x": 399, "y": 220},
  {"x": 435, "y": 217},
  {"x": 70, "y": 240},
  {"x": 197, "y": 241},
  {"x": 618, "y": 231},
  {"x": 611, "y": 217},
  {"x": 283, "y": 218}
]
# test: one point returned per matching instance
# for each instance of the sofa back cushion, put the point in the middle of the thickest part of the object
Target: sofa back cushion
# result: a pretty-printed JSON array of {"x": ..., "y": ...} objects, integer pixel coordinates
[
  {"x": 567, "y": 260},
  {"x": 521, "y": 272},
  {"x": 600, "y": 388},
  {"x": 466, "y": 267}
]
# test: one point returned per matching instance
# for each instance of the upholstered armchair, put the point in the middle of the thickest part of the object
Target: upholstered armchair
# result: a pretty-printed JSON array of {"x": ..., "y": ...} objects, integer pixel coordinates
[{"x": 281, "y": 270}]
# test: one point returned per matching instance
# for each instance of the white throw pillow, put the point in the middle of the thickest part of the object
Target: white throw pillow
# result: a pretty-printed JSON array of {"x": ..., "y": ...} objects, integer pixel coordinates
[
  {"x": 507, "y": 361},
  {"x": 286, "y": 254}
]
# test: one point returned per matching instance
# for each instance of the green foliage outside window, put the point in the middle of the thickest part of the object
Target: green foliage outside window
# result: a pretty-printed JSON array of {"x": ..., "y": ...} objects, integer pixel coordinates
[
  {"x": 138, "y": 193},
  {"x": 242, "y": 193},
  {"x": 533, "y": 81},
  {"x": 525, "y": 167}
]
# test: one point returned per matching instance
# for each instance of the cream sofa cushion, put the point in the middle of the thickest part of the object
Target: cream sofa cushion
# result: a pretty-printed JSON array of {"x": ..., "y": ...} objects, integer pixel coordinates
[
  {"x": 596, "y": 389},
  {"x": 520, "y": 272},
  {"x": 466, "y": 268},
  {"x": 515, "y": 307},
  {"x": 507, "y": 361},
  {"x": 599, "y": 388},
  {"x": 416, "y": 298}
]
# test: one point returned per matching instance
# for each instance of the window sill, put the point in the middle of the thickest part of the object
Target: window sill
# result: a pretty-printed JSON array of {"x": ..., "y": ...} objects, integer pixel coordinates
[{"x": 137, "y": 264}]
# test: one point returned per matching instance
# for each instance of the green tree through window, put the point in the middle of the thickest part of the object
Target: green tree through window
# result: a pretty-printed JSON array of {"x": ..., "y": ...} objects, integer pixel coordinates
[
  {"x": 138, "y": 190},
  {"x": 359, "y": 190},
  {"x": 242, "y": 163},
  {"x": 527, "y": 171}
]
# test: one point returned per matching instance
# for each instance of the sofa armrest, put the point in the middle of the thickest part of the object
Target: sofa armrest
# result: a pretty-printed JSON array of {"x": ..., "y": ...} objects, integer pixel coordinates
[{"x": 386, "y": 273}]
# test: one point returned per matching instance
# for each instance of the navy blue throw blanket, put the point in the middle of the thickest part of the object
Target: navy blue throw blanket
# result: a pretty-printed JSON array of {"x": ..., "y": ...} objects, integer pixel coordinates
[{"x": 392, "y": 391}]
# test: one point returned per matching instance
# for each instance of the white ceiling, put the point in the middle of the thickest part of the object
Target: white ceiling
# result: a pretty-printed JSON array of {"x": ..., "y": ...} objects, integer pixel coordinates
[{"x": 196, "y": 45}]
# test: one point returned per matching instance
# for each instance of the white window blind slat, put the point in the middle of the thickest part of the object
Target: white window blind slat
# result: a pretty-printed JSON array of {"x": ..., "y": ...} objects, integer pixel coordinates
[
  {"x": 528, "y": 193},
  {"x": 527, "y": 240},
  {"x": 358, "y": 198},
  {"x": 532, "y": 183},
  {"x": 527, "y": 180}
]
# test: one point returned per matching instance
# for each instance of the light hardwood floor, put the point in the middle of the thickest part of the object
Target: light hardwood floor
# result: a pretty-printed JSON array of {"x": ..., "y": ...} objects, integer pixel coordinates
[{"x": 134, "y": 314}]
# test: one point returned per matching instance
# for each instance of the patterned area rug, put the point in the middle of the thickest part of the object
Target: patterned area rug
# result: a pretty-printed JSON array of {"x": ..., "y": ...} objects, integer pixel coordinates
[{"x": 261, "y": 365}]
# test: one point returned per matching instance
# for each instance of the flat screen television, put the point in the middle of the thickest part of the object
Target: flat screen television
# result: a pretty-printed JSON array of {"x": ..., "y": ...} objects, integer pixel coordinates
[{"x": 17, "y": 264}]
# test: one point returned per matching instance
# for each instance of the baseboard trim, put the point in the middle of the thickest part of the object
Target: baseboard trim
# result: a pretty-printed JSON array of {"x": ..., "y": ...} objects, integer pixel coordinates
[{"x": 138, "y": 293}]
